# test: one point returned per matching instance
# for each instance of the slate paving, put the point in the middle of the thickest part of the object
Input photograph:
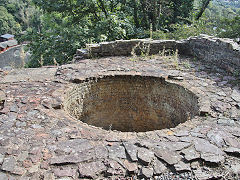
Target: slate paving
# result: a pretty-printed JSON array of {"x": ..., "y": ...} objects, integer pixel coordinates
[{"x": 39, "y": 140}]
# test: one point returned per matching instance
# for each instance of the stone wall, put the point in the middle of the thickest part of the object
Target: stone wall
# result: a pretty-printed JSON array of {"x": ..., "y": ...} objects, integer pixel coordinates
[
  {"x": 223, "y": 52},
  {"x": 14, "y": 57},
  {"x": 126, "y": 48},
  {"x": 131, "y": 103}
]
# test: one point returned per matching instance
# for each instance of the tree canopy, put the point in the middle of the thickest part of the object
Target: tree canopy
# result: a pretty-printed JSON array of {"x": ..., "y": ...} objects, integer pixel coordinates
[
  {"x": 7, "y": 22},
  {"x": 56, "y": 29}
]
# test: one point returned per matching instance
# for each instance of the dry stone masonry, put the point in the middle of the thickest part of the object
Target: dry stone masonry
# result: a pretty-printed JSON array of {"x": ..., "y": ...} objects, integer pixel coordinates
[
  {"x": 131, "y": 103},
  {"x": 222, "y": 52},
  {"x": 14, "y": 57},
  {"x": 124, "y": 118}
]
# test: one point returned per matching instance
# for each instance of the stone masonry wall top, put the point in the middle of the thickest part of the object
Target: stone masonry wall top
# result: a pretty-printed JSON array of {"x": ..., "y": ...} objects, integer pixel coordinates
[{"x": 222, "y": 52}]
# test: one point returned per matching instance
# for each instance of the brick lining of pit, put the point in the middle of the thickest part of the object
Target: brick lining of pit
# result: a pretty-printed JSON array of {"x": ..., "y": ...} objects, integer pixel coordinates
[{"x": 131, "y": 103}]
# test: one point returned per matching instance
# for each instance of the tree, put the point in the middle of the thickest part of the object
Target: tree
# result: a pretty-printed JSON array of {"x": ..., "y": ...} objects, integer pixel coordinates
[
  {"x": 24, "y": 12},
  {"x": 141, "y": 12},
  {"x": 230, "y": 27},
  {"x": 7, "y": 22},
  {"x": 68, "y": 25},
  {"x": 204, "y": 5}
]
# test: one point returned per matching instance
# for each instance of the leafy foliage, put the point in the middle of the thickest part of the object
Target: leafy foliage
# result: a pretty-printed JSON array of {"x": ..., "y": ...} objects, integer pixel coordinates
[
  {"x": 71, "y": 24},
  {"x": 8, "y": 23},
  {"x": 56, "y": 42},
  {"x": 56, "y": 29},
  {"x": 224, "y": 18},
  {"x": 184, "y": 31},
  {"x": 18, "y": 15},
  {"x": 231, "y": 27}
]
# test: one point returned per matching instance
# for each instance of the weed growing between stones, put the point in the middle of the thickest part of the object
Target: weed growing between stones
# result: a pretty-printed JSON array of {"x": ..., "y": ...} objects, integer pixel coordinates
[
  {"x": 186, "y": 64},
  {"x": 55, "y": 62},
  {"x": 142, "y": 49},
  {"x": 133, "y": 53},
  {"x": 110, "y": 127},
  {"x": 194, "y": 59},
  {"x": 236, "y": 73},
  {"x": 13, "y": 65},
  {"x": 175, "y": 58},
  {"x": 226, "y": 114},
  {"x": 144, "y": 52},
  {"x": 235, "y": 82},
  {"x": 41, "y": 61},
  {"x": 170, "y": 56},
  {"x": 141, "y": 52}
]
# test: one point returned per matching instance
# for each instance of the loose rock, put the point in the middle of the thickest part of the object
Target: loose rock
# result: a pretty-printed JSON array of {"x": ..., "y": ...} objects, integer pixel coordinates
[
  {"x": 131, "y": 167},
  {"x": 9, "y": 164},
  {"x": 212, "y": 158},
  {"x": 64, "y": 172},
  {"x": 91, "y": 170},
  {"x": 168, "y": 156},
  {"x": 131, "y": 151},
  {"x": 233, "y": 151},
  {"x": 116, "y": 151},
  {"x": 146, "y": 173},
  {"x": 181, "y": 166},
  {"x": 159, "y": 167},
  {"x": 205, "y": 146},
  {"x": 145, "y": 156},
  {"x": 190, "y": 154},
  {"x": 74, "y": 158},
  {"x": 236, "y": 95},
  {"x": 3, "y": 176}
]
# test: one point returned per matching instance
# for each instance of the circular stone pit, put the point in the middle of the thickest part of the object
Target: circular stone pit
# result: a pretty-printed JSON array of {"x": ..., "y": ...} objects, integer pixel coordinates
[{"x": 131, "y": 103}]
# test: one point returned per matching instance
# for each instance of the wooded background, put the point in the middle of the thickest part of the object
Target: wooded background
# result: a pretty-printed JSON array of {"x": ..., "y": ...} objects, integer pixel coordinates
[{"x": 55, "y": 29}]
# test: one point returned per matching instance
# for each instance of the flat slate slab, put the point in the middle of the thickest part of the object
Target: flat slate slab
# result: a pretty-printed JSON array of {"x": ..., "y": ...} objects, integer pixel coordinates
[
  {"x": 170, "y": 157},
  {"x": 39, "y": 140},
  {"x": 131, "y": 150},
  {"x": 9, "y": 164}
]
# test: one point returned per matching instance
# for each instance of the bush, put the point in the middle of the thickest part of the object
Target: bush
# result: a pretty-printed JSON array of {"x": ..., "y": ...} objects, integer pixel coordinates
[
  {"x": 230, "y": 28},
  {"x": 183, "y": 31}
]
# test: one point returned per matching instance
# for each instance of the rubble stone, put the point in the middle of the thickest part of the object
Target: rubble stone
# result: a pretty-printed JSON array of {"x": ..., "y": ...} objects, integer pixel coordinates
[
  {"x": 39, "y": 139},
  {"x": 168, "y": 156},
  {"x": 91, "y": 169},
  {"x": 9, "y": 164},
  {"x": 131, "y": 150},
  {"x": 159, "y": 167},
  {"x": 145, "y": 156},
  {"x": 146, "y": 173}
]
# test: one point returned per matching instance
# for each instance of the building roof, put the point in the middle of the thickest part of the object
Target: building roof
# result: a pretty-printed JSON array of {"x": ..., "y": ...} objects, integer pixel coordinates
[
  {"x": 11, "y": 43},
  {"x": 3, "y": 45},
  {"x": 7, "y": 36}
]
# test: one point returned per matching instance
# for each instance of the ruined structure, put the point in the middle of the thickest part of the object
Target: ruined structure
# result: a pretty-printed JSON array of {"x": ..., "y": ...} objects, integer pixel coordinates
[
  {"x": 131, "y": 103},
  {"x": 224, "y": 53},
  {"x": 118, "y": 117},
  {"x": 14, "y": 57}
]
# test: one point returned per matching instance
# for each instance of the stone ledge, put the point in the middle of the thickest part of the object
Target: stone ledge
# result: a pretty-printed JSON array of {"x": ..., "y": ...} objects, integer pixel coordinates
[{"x": 223, "y": 52}]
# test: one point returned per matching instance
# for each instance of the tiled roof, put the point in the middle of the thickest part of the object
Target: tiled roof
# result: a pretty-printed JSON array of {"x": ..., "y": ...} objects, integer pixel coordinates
[
  {"x": 9, "y": 43},
  {"x": 3, "y": 45},
  {"x": 7, "y": 36}
]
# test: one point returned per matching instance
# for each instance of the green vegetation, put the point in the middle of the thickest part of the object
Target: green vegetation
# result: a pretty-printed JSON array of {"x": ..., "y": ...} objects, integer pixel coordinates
[
  {"x": 7, "y": 22},
  {"x": 55, "y": 29},
  {"x": 17, "y": 16}
]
